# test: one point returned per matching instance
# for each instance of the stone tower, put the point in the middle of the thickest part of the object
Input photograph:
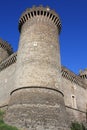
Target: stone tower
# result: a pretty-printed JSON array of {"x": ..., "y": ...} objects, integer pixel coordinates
[
  {"x": 5, "y": 50},
  {"x": 83, "y": 75},
  {"x": 37, "y": 101}
]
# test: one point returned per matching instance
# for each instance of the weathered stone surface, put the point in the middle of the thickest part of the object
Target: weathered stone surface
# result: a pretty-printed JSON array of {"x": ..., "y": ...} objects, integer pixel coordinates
[
  {"x": 6, "y": 84},
  {"x": 37, "y": 108},
  {"x": 5, "y": 50},
  {"x": 36, "y": 100},
  {"x": 3, "y": 54},
  {"x": 38, "y": 61},
  {"x": 75, "y": 98}
]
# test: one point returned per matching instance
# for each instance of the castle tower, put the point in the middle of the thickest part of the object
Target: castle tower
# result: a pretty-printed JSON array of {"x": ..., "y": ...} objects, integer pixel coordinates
[
  {"x": 37, "y": 101},
  {"x": 83, "y": 75},
  {"x": 5, "y": 50}
]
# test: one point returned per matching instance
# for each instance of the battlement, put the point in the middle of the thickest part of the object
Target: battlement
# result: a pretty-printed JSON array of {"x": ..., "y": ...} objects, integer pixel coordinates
[
  {"x": 40, "y": 11},
  {"x": 83, "y": 74},
  {"x": 72, "y": 77},
  {"x": 10, "y": 60},
  {"x": 6, "y": 46}
]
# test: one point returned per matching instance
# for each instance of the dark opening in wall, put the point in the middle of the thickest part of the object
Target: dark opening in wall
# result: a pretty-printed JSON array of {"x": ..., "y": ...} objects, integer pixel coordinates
[
  {"x": 50, "y": 15},
  {"x": 47, "y": 14},
  {"x": 53, "y": 17},
  {"x": 38, "y": 12},
  {"x": 26, "y": 16},
  {"x": 41, "y": 12},
  {"x": 29, "y": 15},
  {"x": 35, "y": 13},
  {"x": 32, "y": 14},
  {"x": 44, "y": 13}
]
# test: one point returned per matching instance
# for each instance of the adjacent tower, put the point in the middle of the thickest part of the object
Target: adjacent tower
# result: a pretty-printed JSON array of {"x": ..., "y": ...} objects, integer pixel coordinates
[
  {"x": 83, "y": 75},
  {"x": 37, "y": 101},
  {"x": 5, "y": 50}
]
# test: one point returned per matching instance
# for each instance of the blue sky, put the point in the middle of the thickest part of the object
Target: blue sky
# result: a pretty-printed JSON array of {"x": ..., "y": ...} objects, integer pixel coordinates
[{"x": 73, "y": 37}]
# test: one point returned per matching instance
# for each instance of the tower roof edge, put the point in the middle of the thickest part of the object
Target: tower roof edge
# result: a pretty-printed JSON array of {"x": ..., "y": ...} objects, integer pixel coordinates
[{"x": 40, "y": 10}]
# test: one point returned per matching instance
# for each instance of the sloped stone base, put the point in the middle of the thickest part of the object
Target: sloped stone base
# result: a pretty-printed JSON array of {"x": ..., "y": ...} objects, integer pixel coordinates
[{"x": 37, "y": 109}]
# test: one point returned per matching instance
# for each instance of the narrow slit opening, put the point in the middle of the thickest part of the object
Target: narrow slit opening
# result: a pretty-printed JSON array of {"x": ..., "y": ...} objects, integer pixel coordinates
[
  {"x": 32, "y": 14},
  {"x": 29, "y": 15},
  {"x": 44, "y": 13},
  {"x": 50, "y": 15},
  {"x": 47, "y": 14},
  {"x": 22, "y": 20},
  {"x": 26, "y": 16},
  {"x": 41, "y": 12},
  {"x": 35, "y": 13},
  {"x": 38, "y": 13},
  {"x": 53, "y": 17}
]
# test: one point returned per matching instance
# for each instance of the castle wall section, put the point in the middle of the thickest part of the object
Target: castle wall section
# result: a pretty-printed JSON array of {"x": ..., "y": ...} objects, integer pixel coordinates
[
  {"x": 75, "y": 100},
  {"x": 6, "y": 84},
  {"x": 3, "y": 54},
  {"x": 5, "y": 50}
]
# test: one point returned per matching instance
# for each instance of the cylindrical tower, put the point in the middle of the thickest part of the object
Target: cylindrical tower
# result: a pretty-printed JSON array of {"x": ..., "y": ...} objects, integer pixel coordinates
[
  {"x": 37, "y": 101},
  {"x": 5, "y": 50},
  {"x": 38, "y": 62},
  {"x": 83, "y": 75}
]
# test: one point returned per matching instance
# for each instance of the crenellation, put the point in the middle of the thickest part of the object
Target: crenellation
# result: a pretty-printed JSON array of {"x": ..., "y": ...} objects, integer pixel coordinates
[
  {"x": 6, "y": 46},
  {"x": 72, "y": 77},
  {"x": 10, "y": 60},
  {"x": 36, "y": 11}
]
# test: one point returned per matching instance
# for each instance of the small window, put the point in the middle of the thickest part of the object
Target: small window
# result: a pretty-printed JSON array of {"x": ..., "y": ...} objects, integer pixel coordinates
[{"x": 73, "y": 100}]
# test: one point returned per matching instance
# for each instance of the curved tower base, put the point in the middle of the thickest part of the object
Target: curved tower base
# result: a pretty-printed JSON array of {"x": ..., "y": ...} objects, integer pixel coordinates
[{"x": 37, "y": 109}]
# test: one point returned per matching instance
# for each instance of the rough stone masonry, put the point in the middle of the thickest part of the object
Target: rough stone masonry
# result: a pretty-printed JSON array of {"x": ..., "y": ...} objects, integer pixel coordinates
[{"x": 37, "y": 101}]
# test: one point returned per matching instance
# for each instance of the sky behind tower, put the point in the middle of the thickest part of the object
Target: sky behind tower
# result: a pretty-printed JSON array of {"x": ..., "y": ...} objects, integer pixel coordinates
[{"x": 73, "y": 37}]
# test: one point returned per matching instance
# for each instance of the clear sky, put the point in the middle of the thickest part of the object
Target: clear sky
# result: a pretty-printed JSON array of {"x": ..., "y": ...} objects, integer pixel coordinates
[{"x": 73, "y": 37}]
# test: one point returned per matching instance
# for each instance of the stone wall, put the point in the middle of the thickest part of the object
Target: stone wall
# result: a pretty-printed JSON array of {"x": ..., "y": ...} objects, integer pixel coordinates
[
  {"x": 34, "y": 82},
  {"x": 38, "y": 61},
  {"x": 37, "y": 109},
  {"x": 75, "y": 100},
  {"x": 36, "y": 95},
  {"x": 5, "y": 50},
  {"x": 3, "y": 54},
  {"x": 6, "y": 84},
  {"x": 74, "y": 94}
]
